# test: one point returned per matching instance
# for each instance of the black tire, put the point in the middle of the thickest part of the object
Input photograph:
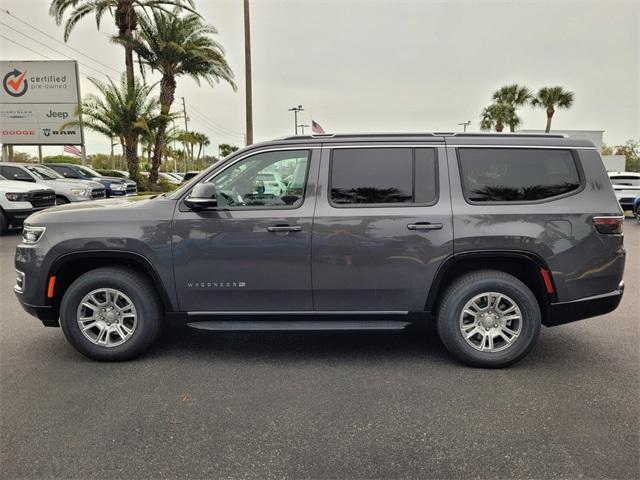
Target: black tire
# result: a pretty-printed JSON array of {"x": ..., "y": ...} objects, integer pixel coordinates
[
  {"x": 466, "y": 288},
  {"x": 141, "y": 293},
  {"x": 60, "y": 200},
  {"x": 4, "y": 223}
]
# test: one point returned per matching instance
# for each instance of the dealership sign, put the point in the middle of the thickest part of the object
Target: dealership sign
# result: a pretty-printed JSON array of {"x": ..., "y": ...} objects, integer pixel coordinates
[{"x": 37, "y": 99}]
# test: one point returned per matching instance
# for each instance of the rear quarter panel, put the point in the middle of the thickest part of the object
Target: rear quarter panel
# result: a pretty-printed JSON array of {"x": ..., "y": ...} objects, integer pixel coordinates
[{"x": 582, "y": 261}]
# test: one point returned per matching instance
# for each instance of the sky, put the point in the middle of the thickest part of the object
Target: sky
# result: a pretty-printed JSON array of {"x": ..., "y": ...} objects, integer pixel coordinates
[{"x": 380, "y": 66}]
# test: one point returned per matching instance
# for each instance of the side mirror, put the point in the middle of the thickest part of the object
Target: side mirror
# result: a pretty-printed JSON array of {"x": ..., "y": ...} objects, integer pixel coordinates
[{"x": 202, "y": 196}]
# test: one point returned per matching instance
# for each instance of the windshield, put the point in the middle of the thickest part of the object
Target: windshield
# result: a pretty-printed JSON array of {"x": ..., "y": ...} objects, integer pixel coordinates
[
  {"x": 44, "y": 173},
  {"x": 86, "y": 172}
]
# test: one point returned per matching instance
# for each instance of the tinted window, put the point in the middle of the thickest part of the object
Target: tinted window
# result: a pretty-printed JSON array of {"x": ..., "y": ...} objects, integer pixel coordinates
[
  {"x": 382, "y": 176},
  {"x": 15, "y": 173},
  {"x": 512, "y": 175}
]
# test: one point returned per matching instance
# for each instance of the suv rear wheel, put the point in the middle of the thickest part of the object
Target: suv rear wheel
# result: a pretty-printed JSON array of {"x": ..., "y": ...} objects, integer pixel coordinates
[
  {"x": 488, "y": 319},
  {"x": 110, "y": 314}
]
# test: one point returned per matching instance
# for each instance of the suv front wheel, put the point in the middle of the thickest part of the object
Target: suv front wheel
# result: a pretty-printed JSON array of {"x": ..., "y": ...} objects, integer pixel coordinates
[
  {"x": 110, "y": 314},
  {"x": 488, "y": 319}
]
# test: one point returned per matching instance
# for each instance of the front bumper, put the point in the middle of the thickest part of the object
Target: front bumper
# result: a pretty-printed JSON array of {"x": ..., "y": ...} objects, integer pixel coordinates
[
  {"x": 566, "y": 312},
  {"x": 46, "y": 314},
  {"x": 17, "y": 217}
]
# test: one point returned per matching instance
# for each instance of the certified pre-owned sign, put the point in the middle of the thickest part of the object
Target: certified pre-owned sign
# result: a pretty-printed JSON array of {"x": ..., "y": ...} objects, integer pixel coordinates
[{"x": 37, "y": 100}]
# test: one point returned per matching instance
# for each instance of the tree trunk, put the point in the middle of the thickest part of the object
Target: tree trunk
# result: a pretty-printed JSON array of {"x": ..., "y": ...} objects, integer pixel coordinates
[
  {"x": 512, "y": 127},
  {"x": 131, "y": 154},
  {"x": 167, "y": 94},
  {"x": 550, "y": 112},
  {"x": 499, "y": 127},
  {"x": 127, "y": 22}
]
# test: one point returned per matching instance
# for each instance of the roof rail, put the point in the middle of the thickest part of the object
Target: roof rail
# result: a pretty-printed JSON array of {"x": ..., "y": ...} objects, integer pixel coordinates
[{"x": 422, "y": 134}]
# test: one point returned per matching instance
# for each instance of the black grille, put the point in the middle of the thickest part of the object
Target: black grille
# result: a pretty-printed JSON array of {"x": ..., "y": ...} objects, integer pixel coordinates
[
  {"x": 98, "y": 193},
  {"x": 42, "y": 198},
  {"x": 131, "y": 188}
]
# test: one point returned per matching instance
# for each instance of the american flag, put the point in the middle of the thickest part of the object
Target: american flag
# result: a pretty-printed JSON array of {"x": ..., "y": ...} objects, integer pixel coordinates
[
  {"x": 316, "y": 128},
  {"x": 72, "y": 150}
]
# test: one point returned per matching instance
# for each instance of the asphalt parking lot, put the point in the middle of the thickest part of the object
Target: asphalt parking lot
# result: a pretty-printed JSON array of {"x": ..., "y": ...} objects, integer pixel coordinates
[{"x": 335, "y": 405}]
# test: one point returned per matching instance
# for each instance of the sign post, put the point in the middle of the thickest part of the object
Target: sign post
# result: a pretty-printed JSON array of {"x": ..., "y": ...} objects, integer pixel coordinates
[{"x": 37, "y": 98}]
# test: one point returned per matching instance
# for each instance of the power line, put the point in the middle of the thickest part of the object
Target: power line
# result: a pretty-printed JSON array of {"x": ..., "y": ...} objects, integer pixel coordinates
[
  {"x": 53, "y": 49},
  {"x": 58, "y": 41},
  {"x": 25, "y": 47},
  {"x": 34, "y": 51},
  {"x": 214, "y": 125},
  {"x": 214, "y": 129}
]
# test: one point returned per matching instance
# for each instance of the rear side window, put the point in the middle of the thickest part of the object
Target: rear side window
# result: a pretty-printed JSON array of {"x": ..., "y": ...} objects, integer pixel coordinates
[
  {"x": 381, "y": 176},
  {"x": 517, "y": 174}
]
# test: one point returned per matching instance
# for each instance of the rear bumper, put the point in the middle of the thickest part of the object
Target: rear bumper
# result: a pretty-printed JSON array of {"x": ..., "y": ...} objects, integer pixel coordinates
[{"x": 566, "y": 312}]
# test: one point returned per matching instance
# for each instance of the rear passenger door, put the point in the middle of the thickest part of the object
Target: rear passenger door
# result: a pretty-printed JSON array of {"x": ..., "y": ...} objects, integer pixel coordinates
[{"x": 382, "y": 226}]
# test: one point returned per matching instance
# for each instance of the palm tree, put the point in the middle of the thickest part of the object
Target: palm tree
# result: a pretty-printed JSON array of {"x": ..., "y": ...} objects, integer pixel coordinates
[
  {"x": 177, "y": 45},
  {"x": 202, "y": 141},
  {"x": 497, "y": 115},
  {"x": 128, "y": 113},
  {"x": 552, "y": 98},
  {"x": 125, "y": 14},
  {"x": 516, "y": 96}
]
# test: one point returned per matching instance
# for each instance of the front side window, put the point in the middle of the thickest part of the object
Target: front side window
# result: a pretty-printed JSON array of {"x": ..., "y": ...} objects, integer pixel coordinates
[
  {"x": 263, "y": 180},
  {"x": 381, "y": 176},
  {"x": 517, "y": 174}
]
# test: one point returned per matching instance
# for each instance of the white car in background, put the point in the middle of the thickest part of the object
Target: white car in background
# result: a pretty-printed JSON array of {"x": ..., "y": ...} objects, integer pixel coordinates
[
  {"x": 67, "y": 190},
  {"x": 626, "y": 186},
  {"x": 18, "y": 200},
  {"x": 273, "y": 184}
]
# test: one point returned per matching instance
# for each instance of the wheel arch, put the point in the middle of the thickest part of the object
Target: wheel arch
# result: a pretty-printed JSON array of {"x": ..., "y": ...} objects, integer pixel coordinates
[
  {"x": 69, "y": 266},
  {"x": 525, "y": 266}
]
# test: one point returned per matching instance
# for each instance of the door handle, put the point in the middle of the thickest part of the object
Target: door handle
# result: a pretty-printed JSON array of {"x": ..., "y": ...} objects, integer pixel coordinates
[
  {"x": 284, "y": 228},
  {"x": 424, "y": 226}
]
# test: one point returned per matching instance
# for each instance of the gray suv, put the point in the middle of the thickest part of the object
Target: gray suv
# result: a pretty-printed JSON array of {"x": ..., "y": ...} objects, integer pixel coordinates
[{"x": 490, "y": 235}]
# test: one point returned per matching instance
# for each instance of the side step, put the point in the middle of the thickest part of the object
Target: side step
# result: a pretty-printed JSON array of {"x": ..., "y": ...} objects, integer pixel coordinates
[{"x": 300, "y": 325}]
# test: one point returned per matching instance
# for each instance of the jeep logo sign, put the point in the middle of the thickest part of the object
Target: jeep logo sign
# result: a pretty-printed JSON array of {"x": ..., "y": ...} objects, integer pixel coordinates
[{"x": 38, "y": 98}]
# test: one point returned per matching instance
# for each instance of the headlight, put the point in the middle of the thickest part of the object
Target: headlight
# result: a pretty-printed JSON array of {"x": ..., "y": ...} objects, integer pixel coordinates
[
  {"x": 31, "y": 235},
  {"x": 17, "y": 197},
  {"x": 118, "y": 187},
  {"x": 81, "y": 192}
]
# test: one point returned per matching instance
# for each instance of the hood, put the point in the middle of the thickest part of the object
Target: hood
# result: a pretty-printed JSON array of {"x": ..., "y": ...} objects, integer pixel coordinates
[
  {"x": 19, "y": 187},
  {"x": 112, "y": 180},
  {"x": 127, "y": 207},
  {"x": 73, "y": 183}
]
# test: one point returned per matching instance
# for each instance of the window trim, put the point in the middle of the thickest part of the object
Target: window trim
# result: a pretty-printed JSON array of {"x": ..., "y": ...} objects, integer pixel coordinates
[
  {"x": 576, "y": 162},
  {"x": 413, "y": 148},
  {"x": 209, "y": 178}
]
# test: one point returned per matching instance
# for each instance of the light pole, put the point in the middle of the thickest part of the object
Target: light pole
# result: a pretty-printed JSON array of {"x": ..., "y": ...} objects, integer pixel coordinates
[
  {"x": 247, "y": 68},
  {"x": 295, "y": 111},
  {"x": 465, "y": 125},
  {"x": 302, "y": 127}
]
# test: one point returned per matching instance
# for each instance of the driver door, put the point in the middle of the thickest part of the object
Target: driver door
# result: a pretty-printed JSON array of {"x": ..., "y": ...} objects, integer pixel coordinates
[{"x": 252, "y": 252}]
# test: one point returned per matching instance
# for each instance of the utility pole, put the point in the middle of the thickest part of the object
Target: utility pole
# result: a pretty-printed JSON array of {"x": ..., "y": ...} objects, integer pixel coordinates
[
  {"x": 247, "y": 74},
  {"x": 295, "y": 111},
  {"x": 302, "y": 127},
  {"x": 465, "y": 125},
  {"x": 186, "y": 130}
]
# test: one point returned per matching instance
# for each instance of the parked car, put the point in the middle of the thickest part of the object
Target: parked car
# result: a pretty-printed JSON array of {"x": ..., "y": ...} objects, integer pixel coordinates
[
  {"x": 177, "y": 176},
  {"x": 188, "y": 176},
  {"x": 636, "y": 207},
  {"x": 67, "y": 190},
  {"x": 272, "y": 183},
  {"x": 626, "y": 186},
  {"x": 490, "y": 235},
  {"x": 19, "y": 200},
  {"x": 163, "y": 176},
  {"x": 114, "y": 186}
]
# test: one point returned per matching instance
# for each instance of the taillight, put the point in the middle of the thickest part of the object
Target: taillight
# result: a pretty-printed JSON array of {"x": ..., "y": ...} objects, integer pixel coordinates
[{"x": 609, "y": 225}]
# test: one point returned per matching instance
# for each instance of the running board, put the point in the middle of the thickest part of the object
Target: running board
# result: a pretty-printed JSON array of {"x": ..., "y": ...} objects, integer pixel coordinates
[{"x": 300, "y": 325}]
